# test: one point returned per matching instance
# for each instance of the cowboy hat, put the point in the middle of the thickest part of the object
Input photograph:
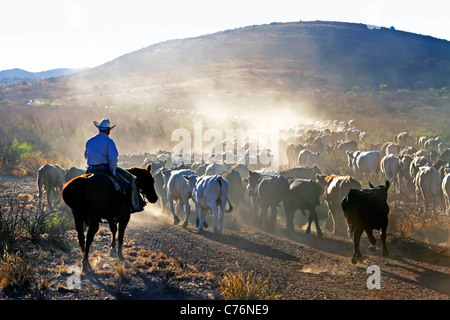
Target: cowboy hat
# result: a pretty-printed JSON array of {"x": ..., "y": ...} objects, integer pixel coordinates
[{"x": 104, "y": 125}]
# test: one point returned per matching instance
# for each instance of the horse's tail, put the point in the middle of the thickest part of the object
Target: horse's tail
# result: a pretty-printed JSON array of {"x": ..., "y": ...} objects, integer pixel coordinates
[{"x": 71, "y": 191}]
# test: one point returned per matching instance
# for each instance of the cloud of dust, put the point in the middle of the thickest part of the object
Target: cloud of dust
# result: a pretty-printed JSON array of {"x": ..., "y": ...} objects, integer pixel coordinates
[
  {"x": 156, "y": 90},
  {"x": 153, "y": 215}
]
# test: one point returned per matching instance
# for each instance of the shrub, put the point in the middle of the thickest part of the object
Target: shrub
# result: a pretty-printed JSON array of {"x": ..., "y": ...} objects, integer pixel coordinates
[
  {"x": 383, "y": 86},
  {"x": 13, "y": 154},
  {"x": 249, "y": 286},
  {"x": 15, "y": 274},
  {"x": 11, "y": 222},
  {"x": 56, "y": 225},
  {"x": 30, "y": 164},
  {"x": 28, "y": 219}
]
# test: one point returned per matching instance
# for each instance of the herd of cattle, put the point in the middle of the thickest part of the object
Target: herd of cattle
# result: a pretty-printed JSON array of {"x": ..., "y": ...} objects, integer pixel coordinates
[{"x": 412, "y": 166}]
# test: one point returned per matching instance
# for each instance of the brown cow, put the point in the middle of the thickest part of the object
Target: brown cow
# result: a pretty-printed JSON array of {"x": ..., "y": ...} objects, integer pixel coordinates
[
  {"x": 335, "y": 189},
  {"x": 404, "y": 139}
]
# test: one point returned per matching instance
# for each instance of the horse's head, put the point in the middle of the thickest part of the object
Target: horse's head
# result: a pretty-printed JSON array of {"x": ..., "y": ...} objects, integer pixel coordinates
[{"x": 145, "y": 182}]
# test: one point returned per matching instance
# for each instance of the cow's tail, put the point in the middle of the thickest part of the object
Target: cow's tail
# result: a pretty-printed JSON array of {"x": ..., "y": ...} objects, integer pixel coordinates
[
  {"x": 344, "y": 204},
  {"x": 222, "y": 184},
  {"x": 229, "y": 203}
]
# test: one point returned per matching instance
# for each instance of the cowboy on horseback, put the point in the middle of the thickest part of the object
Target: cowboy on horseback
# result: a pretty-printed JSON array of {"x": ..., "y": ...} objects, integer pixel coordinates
[{"x": 101, "y": 155}]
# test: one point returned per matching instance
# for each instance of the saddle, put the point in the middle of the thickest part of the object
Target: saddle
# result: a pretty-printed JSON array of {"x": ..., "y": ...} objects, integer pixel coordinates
[
  {"x": 125, "y": 184},
  {"x": 107, "y": 173}
]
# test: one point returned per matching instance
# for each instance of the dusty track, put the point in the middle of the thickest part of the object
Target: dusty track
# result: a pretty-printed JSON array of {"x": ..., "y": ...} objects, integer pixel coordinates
[{"x": 304, "y": 266}]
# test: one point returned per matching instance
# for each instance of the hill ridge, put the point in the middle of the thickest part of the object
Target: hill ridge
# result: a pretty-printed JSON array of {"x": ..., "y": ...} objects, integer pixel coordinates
[
  {"x": 22, "y": 73},
  {"x": 336, "y": 54}
]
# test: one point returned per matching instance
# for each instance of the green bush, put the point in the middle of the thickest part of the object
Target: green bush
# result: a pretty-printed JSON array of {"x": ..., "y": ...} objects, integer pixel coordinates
[
  {"x": 14, "y": 154},
  {"x": 21, "y": 220},
  {"x": 56, "y": 225}
]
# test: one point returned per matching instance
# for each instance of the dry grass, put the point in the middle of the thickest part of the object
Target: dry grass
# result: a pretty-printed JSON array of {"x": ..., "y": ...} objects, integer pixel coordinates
[
  {"x": 406, "y": 220},
  {"x": 15, "y": 274},
  {"x": 246, "y": 286},
  {"x": 157, "y": 263}
]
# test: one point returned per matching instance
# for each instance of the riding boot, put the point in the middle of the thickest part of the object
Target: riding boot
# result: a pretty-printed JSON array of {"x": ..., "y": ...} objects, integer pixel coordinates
[
  {"x": 133, "y": 200},
  {"x": 136, "y": 200}
]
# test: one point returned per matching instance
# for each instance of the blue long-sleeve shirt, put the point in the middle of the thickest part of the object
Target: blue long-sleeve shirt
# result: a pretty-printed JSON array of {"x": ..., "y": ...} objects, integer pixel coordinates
[{"x": 101, "y": 149}]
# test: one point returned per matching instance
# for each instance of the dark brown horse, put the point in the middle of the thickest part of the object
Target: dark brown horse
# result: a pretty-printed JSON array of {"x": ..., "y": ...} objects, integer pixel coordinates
[{"x": 93, "y": 197}]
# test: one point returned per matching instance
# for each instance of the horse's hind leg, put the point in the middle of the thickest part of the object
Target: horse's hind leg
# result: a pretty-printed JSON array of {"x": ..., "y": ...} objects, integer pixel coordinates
[
  {"x": 79, "y": 226},
  {"x": 113, "y": 228},
  {"x": 122, "y": 225},
  {"x": 92, "y": 230}
]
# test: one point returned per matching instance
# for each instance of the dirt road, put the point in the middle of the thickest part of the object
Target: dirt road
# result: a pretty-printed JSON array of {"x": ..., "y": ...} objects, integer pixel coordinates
[{"x": 303, "y": 266}]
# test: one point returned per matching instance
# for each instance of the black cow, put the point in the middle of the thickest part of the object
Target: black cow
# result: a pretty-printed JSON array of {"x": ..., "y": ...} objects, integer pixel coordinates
[
  {"x": 304, "y": 195},
  {"x": 267, "y": 191},
  {"x": 158, "y": 185},
  {"x": 365, "y": 210},
  {"x": 73, "y": 173},
  {"x": 301, "y": 173}
]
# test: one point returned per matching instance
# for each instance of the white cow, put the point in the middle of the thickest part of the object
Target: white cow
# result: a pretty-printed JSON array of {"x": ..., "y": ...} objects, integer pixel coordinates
[
  {"x": 446, "y": 189},
  {"x": 442, "y": 146},
  {"x": 427, "y": 187},
  {"x": 209, "y": 193},
  {"x": 432, "y": 144},
  {"x": 217, "y": 168},
  {"x": 390, "y": 166},
  {"x": 420, "y": 141},
  {"x": 392, "y": 148},
  {"x": 308, "y": 159},
  {"x": 416, "y": 163},
  {"x": 353, "y": 134},
  {"x": 50, "y": 177},
  {"x": 177, "y": 189},
  {"x": 404, "y": 139},
  {"x": 364, "y": 162}
]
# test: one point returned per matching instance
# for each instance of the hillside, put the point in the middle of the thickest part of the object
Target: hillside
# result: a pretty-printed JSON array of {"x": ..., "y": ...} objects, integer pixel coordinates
[
  {"x": 277, "y": 59},
  {"x": 12, "y": 77},
  {"x": 315, "y": 70},
  {"x": 284, "y": 57},
  {"x": 20, "y": 73}
]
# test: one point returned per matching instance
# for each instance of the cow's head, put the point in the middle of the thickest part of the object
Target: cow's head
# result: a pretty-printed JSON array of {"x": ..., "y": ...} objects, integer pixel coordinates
[
  {"x": 386, "y": 185},
  {"x": 321, "y": 179},
  {"x": 191, "y": 180},
  {"x": 166, "y": 175},
  {"x": 381, "y": 190},
  {"x": 253, "y": 180},
  {"x": 350, "y": 158}
]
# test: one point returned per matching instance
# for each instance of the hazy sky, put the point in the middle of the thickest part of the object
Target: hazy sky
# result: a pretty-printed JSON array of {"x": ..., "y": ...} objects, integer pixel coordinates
[{"x": 39, "y": 35}]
